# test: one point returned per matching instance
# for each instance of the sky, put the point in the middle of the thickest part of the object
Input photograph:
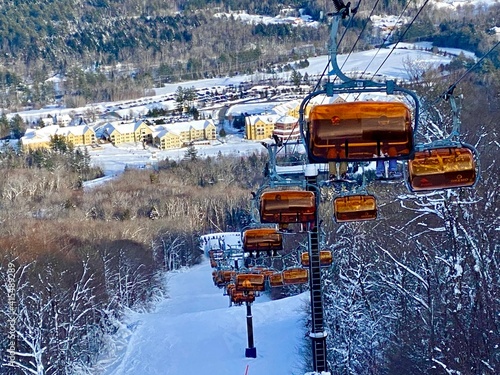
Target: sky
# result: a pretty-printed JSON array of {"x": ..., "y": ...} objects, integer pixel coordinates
[{"x": 194, "y": 331}]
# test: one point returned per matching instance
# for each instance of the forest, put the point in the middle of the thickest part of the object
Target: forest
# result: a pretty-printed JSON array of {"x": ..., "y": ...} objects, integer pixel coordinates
[{"x": 109, "y": 50}]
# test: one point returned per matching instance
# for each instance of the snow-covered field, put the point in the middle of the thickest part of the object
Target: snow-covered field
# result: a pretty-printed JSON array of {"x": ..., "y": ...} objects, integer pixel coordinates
[{"x": 113, "y": 160}]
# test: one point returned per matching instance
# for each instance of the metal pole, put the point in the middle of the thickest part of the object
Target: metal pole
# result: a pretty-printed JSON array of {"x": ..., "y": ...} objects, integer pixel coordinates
[
  {"x": 251, "y": 351},
  {"x": 317, "y": 334}
]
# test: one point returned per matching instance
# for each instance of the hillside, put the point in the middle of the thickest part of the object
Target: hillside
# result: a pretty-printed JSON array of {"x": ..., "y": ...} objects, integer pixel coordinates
[{"x": 112, "y": 50}]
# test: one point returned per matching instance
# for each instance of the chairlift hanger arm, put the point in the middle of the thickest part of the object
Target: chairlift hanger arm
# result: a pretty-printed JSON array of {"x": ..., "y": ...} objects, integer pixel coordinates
[
  {"x": 455, "y": 109},
  {"x": 274, "y": 178},
  {"x": 349, "y": 84},
  {"x": 342, "y": 11},
  {"x": 453, "y": 139}
]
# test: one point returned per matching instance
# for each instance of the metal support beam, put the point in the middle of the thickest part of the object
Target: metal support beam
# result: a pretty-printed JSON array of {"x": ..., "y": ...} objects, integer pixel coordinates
[
  {"x": 317, "y": 334},
  {"x": 251, "y": 351}
]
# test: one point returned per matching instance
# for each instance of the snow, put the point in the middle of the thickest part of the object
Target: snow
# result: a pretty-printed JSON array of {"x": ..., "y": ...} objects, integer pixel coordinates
[
  {"x": 454, "y": 4},
  {"x": 114, "y": 159},
  {"x": 195, "y": 332},
  {"x": 254, "y": 19}
]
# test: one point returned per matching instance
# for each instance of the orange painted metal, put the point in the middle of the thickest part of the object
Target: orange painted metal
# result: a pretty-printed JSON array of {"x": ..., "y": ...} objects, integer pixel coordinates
[
  {"x": 359, "y": 131},
  {"x": 442, "y": 168},
  {"x": 355, "y": 208}
]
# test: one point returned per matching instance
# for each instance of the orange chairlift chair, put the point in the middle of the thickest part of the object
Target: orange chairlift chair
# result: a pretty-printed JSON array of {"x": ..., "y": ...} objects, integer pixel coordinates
[
  {"x": 293, "y": 276},
  {"x": 238, "y": 297},
  {"x": 358, "y": 207},
  {"x": 355, "y": 204},
  {"x": 359, "y": 131},
  {"x": 222, "y": 277},
  {"x": 325, "y": 258},
  {"x": 276, "y": 280},
  {"x": 250, "y": 282},
  {"x": 256, "y": 240},
  {"x": 268, "y": 272},
  {"x": 446, "y": 163},
  {"x": 287, "y": 206},
  {"x": 215, "y": 257},
  {"x": 442, "y": 168}
]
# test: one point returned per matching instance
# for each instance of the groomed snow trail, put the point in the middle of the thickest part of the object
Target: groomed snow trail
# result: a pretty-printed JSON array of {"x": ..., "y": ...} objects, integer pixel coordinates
[{"x": 195, "y": 332}]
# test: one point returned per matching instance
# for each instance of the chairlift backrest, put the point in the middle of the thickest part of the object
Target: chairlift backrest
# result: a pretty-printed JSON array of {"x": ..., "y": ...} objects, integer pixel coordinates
[
  {"x": 276, "y": 280},
  {"x": 267, "y": 273},
  {"x": 294, "y": 276},
  {"x": 240, "y": 297},
  {"x": 325, "y": 258},
  {"x": 355, "y": 208},
  {"x": 287, "y": 206},
  {"x": 250, "y": 282},
  {"x": 442, "y": 168},
  {"x": 360, "y": 131},
  {"x": 227, "y": 275},
  {"x": 262, "y": 239}
]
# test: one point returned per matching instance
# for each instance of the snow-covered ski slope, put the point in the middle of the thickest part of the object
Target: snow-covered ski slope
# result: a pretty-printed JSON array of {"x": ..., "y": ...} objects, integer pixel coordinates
[{"x": 195, "y": 331}]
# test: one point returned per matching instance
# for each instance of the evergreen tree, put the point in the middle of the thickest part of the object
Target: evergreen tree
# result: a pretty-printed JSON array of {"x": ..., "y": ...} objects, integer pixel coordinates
[
  {"x": 296, "y": 78},
  {"x": 17, "y": 127},
  {"x": 4, "y": 126},
  {"x": 58, "y": 144},
  {"x": 191, "y": 153}
]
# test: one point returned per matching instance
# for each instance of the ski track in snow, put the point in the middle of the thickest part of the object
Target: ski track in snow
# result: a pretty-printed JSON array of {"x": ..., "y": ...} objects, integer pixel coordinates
[{"x": 195, "y": 332}]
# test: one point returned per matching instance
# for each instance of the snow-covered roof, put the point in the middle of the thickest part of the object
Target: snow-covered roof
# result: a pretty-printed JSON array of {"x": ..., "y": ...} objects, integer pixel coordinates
[
  {"x": 252, "y": 109},
  {"x": 75, "y": 130},
  {"x": 44, "y": 134},
  {"x": 268, "y": 119},
  {"x": 180, "y": 127},
  {"x": 123, "y": 128},
  {"x": 284, "y": 108},
  {"x": 287, "y": 120}
]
